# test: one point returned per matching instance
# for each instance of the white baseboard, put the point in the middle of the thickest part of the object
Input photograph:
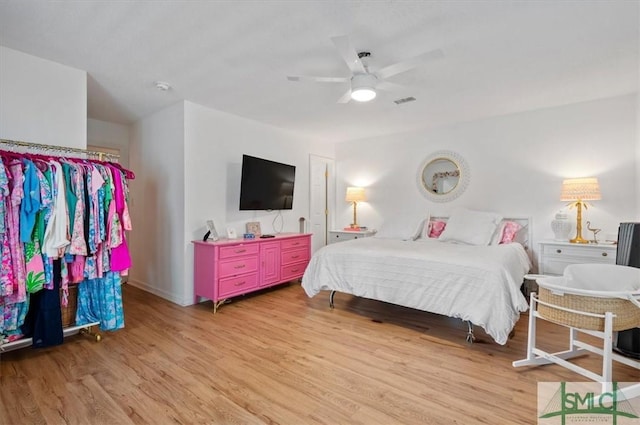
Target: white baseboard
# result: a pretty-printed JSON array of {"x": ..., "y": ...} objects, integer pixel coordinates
[{"x": 169, "y": 296}]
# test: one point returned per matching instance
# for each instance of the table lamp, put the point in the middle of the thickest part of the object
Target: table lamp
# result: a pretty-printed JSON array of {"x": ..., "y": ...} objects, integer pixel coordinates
[
  {"x": 576, "y": 191},
  {"x": 355, "y": 195}
]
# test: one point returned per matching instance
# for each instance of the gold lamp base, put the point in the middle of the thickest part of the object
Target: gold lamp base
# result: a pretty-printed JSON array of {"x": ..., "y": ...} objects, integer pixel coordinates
[
  {"x": 354, "y": 225},
  {"x": 579, "y": 238}
]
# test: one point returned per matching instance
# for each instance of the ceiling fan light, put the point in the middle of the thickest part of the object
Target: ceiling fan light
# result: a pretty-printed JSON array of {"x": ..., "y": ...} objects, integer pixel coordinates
[
  {"x": 363, "y": 94},
  {"x": 363, "y": 87}
]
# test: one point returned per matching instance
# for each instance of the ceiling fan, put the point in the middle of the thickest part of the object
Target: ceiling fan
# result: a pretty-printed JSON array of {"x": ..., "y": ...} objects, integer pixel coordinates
[{"x": 364, "y": 82}]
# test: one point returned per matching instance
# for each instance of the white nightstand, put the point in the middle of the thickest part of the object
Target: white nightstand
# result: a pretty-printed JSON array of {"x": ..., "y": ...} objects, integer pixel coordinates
[
  {"x": 555, "y": 256},
  {"x": 347, "y": 235}
]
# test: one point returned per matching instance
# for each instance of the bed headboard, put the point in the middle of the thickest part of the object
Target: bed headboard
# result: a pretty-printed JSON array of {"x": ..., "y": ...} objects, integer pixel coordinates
[{"x": 525, "y": 235}]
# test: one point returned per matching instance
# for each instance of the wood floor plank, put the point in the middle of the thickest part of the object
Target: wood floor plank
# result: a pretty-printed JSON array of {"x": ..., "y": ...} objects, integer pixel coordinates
[{"x": 279, "y": 357}]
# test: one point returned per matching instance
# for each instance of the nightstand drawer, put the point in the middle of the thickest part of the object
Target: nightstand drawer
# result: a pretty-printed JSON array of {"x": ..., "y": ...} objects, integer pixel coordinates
[
  {"x": 347, "y": 235},
  {"x": 556, "y": 256},
  {"x": 590, "y": 253}
]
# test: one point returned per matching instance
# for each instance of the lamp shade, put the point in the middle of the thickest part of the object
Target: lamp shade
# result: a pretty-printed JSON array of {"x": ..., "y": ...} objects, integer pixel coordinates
[
  {"x": 355, "y": 194},
  {"x": 585, "y": 189}
]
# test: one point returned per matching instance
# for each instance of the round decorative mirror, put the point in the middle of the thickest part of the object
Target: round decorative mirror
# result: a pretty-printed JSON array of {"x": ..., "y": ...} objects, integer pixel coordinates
[{"x": 443, "y": 176}]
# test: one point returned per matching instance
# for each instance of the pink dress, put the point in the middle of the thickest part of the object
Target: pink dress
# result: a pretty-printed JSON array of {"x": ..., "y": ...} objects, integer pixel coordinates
[
  {"x": 13, "y": 231},
  {"x": 120, "y": 257}
]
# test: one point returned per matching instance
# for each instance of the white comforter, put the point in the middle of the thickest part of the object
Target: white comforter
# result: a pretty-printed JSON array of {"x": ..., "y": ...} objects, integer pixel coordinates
[{"x": 476, "y": 283}]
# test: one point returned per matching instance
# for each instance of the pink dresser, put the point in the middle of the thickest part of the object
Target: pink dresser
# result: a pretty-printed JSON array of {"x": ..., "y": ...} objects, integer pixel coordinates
[{"x": 232, "y": 267}]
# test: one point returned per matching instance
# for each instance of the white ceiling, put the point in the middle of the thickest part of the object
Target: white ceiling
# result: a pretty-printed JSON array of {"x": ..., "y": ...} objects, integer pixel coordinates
[{"x": 500, "y": 57}]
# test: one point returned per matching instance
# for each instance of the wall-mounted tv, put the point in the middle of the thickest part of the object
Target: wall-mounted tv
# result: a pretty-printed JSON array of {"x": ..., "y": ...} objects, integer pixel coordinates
[{"x": 266, "y": 185}]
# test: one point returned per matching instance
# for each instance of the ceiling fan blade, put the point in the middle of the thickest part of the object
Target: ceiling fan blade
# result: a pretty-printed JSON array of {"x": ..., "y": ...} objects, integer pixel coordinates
[
  {"x": 349, "y": 54},
  {"x": 408, "y": 64},
  {"x": 345, "y": 98},
  {"x": 317, "y": 79},
  {"x": 387, "y": 86}
]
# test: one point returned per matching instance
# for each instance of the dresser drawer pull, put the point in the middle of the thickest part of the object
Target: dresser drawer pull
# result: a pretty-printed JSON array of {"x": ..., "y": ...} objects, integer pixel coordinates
[
  {"x": 558, "y": 251},
  {"x": 239, "y": 283},
  {"x": 240, "y": 251},
  {"x": 295, "y": 243},
  {"x": 296, "y": 256},
  {"x": 604, "y": 254},
  {"x": 240, "y": 266},
  {"x": 294, "y": 270}
]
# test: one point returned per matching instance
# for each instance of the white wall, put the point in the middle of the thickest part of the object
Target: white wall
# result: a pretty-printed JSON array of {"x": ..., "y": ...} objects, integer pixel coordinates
[
  {"x": 187, "y": 161},
  {"x": 158, "y": 203},
  {"x": 109, "y": 135},
  {"x": 42, "y": 101},
  {"x": 214, "y": 144},
  {"x": 517, "y": 165}
]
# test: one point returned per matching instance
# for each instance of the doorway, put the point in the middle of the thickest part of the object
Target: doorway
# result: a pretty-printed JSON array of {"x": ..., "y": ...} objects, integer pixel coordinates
[{"x": 321, "y": 199}]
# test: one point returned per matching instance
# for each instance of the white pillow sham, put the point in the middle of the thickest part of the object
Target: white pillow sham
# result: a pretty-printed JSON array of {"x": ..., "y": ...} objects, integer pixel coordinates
[
  {"x": 401, "y": 227},
  {"x": 471, "y": 227}
]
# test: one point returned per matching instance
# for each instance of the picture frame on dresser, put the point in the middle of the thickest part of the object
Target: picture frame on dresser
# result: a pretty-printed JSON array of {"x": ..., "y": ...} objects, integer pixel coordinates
[
  {"x": 253, "y": 227},
  {"x": 211, "y": 234}
]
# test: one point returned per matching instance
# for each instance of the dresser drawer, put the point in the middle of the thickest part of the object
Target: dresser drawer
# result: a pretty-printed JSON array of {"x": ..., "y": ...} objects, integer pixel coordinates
[
  {"x": 295, "y": 256},
  {"x": 586, "y": 253},
  {"x": 293, "y": 271},
  {"x": 238, "y": 250},
  {"x": 237, "y": 284},
  {"x": 295, "y": 243},
  {"x": 239, "y": 266}
]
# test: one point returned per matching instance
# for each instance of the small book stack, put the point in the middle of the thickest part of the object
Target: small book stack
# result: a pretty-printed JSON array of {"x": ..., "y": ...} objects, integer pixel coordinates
[{"x": 355, "y": 228}]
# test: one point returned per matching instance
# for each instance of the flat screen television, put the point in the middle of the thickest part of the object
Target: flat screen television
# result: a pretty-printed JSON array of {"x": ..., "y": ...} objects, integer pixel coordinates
[{"x": 266, "y": 185}]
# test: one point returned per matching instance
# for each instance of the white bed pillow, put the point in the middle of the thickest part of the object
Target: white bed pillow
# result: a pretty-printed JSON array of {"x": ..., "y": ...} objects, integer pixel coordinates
[
  {"x": 401, "y": 227},
  {"x": 471, "y": 227}
]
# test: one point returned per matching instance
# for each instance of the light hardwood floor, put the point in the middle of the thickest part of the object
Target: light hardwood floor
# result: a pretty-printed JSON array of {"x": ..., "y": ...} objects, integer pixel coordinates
[{"x": 279, "y": 357}]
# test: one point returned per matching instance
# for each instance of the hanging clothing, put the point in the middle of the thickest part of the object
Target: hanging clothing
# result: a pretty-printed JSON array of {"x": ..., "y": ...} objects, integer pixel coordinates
[
  {"x": 56, "y": 236},
  {"x": 100, "y": 300},
  {"x": 61, "y": 221},
  {"x": 30, "y": 204},
  {"x": 43, "y": 322}
]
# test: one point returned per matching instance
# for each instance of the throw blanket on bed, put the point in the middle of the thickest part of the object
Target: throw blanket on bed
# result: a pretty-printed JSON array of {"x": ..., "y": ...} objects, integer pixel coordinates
[{"x": 476, "y": 283}]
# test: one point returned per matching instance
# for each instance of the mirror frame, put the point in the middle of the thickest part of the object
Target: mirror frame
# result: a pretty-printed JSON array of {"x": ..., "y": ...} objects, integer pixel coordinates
[{"x": 463, "y": 181}]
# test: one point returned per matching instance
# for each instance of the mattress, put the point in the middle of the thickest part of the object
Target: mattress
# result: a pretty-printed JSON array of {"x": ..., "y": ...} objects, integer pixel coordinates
[{"x": 480, "y": 284}]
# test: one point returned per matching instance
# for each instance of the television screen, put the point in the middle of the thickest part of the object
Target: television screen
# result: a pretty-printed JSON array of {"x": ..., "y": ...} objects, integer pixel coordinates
[{"x": 266, "y": 185}]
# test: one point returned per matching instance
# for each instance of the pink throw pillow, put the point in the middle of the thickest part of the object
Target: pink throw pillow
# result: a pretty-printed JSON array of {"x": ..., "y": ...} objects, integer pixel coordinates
[
  {"x": 436, "y": 227},
  {"x": 509, "y": 231}
]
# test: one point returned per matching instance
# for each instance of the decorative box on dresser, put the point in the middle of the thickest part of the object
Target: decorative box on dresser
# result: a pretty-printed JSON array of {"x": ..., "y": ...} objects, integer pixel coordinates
[
  {"x": 347, "y": 235},
  {"x": 232, "y": 267},
  {"x": 554, "y": 256}
]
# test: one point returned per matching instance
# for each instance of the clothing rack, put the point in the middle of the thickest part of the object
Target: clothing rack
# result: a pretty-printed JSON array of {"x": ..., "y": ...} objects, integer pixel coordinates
[
  {"x": 22, "y": 147},
  {"x": 77, "y": 151}
]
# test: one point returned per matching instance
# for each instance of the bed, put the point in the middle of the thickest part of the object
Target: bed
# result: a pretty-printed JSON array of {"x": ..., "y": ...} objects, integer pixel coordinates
[{"x": 479, "y": 284}]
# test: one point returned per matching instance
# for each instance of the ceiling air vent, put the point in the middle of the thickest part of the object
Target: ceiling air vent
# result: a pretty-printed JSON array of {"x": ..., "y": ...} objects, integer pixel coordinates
[{"x": 404, "y": 100}]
